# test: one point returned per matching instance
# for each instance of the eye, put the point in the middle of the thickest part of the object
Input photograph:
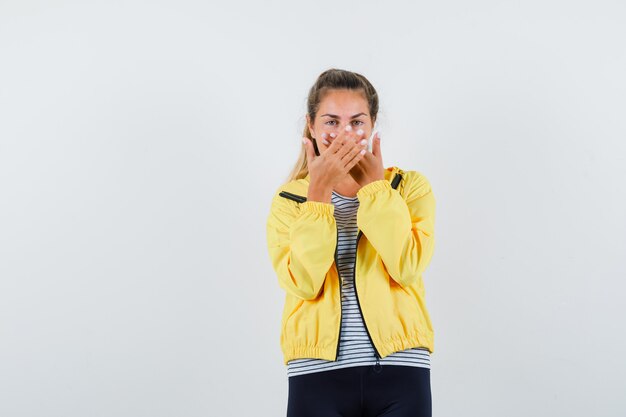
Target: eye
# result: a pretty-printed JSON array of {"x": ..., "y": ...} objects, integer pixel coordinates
[
  {"x": 331, "y": 121},
  {"x": 359, "y": 122}
]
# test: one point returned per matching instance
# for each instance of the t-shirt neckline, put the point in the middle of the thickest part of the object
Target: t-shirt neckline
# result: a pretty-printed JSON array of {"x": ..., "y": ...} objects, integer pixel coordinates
[{"x": 344, "y": 197}]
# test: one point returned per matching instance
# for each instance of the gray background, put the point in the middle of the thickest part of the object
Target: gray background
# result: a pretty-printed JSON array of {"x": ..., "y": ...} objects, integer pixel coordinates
[{"x": 141, "y": 141}]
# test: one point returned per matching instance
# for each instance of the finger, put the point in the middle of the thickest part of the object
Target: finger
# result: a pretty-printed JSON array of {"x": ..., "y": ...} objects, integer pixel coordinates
[
  {"x": 347, "y": 146},
  {"x": 355, "y": 159},
  {"x": 355, "y": 135},
  {"x": 336, "y": 144},
  {"x": 376, "y": 146},
  {"x": 338, "y": 135},
  {"x": 361, "y": 144},
  {"x": 356, "y": 149},
  {"x": 360, "y": 133},
  {"x": 328, "y": 138},
  {"x": 310, "y": 152}
]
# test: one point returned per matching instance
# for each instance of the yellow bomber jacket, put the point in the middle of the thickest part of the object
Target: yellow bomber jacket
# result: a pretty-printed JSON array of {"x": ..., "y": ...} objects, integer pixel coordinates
[{"x": 395, "y": 243}]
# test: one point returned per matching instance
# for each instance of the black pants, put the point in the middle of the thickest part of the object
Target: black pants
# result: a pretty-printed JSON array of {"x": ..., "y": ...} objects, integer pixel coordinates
[{"x": 361, "y": 391}]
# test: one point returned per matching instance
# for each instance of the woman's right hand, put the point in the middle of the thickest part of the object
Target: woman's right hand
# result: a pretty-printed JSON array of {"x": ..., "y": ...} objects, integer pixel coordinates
[{"x": 332, "y": 165}]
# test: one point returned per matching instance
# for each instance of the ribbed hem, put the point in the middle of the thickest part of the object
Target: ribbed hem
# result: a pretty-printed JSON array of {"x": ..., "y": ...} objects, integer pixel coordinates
[
  {"x": 423, "y": 338},
  {"x": 290, "y": 352},
  {"x": 318, "y": 207},
  {"x": 374, "y": 186}
]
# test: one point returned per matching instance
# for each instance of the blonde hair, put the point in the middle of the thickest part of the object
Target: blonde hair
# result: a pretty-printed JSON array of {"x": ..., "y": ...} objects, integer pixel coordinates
[{"x": 331, "y": 79}]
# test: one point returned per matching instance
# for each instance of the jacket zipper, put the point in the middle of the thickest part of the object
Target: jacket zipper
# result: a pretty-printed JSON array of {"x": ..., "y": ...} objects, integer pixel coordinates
[
  {"x": 359, "y": 304},
  {"x": 340, "y": 296}
]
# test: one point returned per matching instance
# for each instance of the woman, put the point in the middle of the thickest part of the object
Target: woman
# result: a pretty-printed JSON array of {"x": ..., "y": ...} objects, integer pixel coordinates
[{"x": 349, "y": 240}]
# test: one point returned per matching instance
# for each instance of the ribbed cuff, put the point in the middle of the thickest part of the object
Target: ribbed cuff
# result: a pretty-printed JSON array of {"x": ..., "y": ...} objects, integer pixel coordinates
[
  {"x": 372, "y": 187},
  {"x": 318, "y": 207}
]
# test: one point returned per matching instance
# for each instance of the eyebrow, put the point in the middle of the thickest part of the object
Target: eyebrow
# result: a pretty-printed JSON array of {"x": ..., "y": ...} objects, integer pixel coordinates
[{"x": 337, "y": 117}]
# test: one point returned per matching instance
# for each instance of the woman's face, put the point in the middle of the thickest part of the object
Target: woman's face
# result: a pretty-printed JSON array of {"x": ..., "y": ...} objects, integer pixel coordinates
[{"x": 338, "y": 109}]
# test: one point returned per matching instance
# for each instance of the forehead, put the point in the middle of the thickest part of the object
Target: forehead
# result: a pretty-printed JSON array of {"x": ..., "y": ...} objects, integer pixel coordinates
[{"x": 343, "y": 102}]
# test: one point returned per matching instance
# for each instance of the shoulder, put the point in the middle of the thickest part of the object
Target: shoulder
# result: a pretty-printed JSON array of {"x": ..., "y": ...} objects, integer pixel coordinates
[
  {"x": 299, "y": 186},
  {"x": 287, "y": 198},
  {"x": 296, "y": 189},
  {"x": 413, "y": 184}
]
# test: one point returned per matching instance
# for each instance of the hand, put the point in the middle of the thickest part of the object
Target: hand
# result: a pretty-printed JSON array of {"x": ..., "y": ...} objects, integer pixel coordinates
[
  {"x": 334, "y": 163},
  {"x": 370, "y": 168}
]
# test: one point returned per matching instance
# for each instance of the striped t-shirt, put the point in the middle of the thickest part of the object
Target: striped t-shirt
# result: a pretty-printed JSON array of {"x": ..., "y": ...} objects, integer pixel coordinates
[{"x": 355, "y": 347}]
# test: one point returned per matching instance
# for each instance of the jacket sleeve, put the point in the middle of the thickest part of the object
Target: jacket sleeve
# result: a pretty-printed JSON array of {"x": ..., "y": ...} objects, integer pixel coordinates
[
  {"x": 401, "y": 230},
  {"x": 301, "y": 239}
]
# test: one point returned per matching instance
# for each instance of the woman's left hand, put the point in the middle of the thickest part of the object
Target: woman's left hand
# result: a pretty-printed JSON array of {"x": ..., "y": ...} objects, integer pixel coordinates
[{"x": 370, "y": 168}]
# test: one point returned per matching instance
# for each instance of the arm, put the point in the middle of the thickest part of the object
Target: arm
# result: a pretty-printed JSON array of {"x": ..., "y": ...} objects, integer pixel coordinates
[
  {"x": 401, "y": 231},
  {"x": 301, "y": 243}
]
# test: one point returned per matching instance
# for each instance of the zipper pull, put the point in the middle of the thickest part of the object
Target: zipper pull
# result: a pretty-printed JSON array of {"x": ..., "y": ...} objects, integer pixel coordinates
[{"x": 378, "y": 367}]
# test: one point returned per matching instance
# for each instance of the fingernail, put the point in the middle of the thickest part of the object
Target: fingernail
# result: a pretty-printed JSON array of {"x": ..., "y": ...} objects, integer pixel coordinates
[
  {"x": 362, "y": 151},
  {"x": 364, "y": 142},
  {"x": 325, "y": 142},
  {"x": 348, "y": 128},
  {"x": 332, "y": 135},
  {"x": 359, "y": 132},
  {"x": 324, "y": 135}
]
